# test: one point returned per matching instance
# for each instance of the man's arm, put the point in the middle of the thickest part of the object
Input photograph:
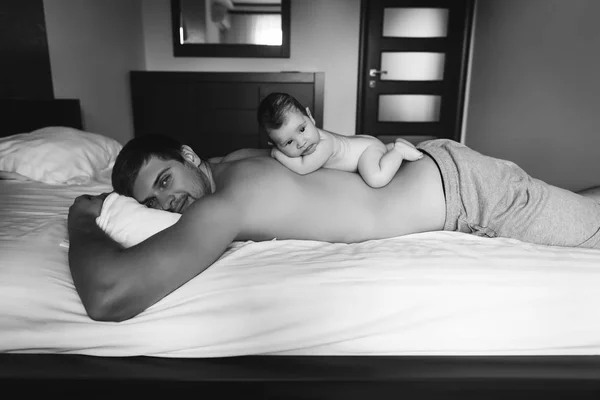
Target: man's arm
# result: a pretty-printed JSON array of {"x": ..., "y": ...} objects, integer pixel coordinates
[
  {"x": 306, "y": 164},
  {"x": 116, "y": 284}
]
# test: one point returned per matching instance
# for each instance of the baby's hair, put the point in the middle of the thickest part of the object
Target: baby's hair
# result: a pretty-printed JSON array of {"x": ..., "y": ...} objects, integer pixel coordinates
[{"x": 273, "y": 109}]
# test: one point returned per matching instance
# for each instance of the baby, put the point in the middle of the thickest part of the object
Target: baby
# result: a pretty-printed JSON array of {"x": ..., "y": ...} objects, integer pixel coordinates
[{"x": 303, "y": 148}]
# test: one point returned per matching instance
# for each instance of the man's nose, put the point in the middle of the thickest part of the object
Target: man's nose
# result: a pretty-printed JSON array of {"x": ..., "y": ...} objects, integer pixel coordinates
[{"x": 165, "y": 201}]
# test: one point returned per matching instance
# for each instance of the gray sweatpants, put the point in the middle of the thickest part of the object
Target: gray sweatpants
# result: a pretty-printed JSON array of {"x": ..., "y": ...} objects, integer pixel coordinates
[{"x": 491, "y": 197}]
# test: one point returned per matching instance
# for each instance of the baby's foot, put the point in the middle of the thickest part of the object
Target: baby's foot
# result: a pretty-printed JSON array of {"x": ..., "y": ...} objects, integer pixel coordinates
[{"x": 407, "y": 150}]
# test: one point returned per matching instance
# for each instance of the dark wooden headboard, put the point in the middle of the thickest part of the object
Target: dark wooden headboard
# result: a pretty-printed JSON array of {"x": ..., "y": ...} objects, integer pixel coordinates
[
  {"x": 26, "y": 115},
  {"x": 215, "y": 112}
]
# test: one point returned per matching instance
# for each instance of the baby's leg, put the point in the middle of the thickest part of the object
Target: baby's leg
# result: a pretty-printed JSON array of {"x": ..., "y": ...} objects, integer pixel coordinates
[{"x": 377, "y": 165}]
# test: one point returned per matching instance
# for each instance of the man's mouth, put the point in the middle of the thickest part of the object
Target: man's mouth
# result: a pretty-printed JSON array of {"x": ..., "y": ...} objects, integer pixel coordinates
[{"x": 180, "y": 204}]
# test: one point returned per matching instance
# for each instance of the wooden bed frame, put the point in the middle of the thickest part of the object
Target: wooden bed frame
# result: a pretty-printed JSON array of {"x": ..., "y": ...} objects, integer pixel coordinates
[
  {"x": 295, "y": 377},
  {"x": 306, "y": 377},
  {"x": 26, "y": 115},
  {"x": 215, "y": 112}
]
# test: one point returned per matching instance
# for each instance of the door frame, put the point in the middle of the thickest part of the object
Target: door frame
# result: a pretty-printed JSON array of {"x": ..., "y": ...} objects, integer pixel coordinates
[{"x": 463, "y": 75}]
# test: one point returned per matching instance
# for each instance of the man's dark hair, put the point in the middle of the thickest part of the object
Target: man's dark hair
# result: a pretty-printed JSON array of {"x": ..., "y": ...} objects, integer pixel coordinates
[
  {"x": 136, "y": 153},
  {"x": 273, "y": 109}
]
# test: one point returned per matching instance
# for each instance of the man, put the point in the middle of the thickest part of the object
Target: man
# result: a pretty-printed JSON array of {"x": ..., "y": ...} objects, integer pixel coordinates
[{"x": 250, "y": 196}]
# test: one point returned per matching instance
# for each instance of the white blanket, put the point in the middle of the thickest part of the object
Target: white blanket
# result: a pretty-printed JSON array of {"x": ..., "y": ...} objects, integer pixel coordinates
[{"x": 439, "y": 293}]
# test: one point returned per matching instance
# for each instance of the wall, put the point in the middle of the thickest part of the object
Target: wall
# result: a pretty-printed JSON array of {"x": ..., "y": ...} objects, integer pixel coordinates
[
  {"x": 25, "y": 67},
  {"x": 324, "y": 37},
  {"x": 532, "y": 98},
  {"x": 535, "y": 88},
  {"x": 93, "y": 46}
]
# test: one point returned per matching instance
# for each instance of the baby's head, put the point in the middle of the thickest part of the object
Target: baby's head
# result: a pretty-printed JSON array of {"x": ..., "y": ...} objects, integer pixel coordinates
[{"x": 288, "y": 124}]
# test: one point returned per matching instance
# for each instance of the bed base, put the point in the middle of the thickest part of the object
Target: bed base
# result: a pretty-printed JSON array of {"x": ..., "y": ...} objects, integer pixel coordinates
[{"x": 307, "y": 377}]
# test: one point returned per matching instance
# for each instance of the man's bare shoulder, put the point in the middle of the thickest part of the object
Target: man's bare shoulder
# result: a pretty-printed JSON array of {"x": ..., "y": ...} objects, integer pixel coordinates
[
  {"x": 247, "y": 173},
  {"x": 245, "y": 153}
]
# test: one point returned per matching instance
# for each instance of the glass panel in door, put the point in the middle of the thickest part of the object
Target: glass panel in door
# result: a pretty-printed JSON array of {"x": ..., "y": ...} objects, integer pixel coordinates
[
  {"x": 412, "y": 66},
  {"x": 409, "y": 108},
  {"x": 415, "y": 22}
]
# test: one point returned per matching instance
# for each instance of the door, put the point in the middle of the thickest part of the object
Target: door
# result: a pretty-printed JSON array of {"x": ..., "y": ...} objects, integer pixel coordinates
[{"x": 412, "y": 71}]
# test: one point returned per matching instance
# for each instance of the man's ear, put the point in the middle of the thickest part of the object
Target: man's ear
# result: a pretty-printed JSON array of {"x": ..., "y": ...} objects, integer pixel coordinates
[
  {"x": 310, "y": 115},
  {"x": 189, "y": 155}
]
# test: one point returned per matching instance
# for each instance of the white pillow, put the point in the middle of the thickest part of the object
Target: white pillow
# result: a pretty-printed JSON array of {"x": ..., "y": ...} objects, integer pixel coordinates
[
  {"x": 128, "y": 222},
  {"x": 58, "y": 155}
]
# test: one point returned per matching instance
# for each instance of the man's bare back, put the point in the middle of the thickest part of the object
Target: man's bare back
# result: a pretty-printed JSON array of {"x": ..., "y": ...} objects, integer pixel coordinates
[{"x": 331, "y": 205}]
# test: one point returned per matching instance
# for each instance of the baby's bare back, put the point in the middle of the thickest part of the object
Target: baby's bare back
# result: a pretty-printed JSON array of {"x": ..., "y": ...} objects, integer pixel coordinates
[{"x": 348, "y": 149}]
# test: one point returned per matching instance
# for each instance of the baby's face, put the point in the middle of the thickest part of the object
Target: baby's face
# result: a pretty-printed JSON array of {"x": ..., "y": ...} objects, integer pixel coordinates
[{"x": 298, "y": 136}]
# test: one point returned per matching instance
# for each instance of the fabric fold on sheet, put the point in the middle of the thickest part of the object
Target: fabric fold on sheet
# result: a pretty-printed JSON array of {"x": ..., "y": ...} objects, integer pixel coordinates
[{"x": 128, "y": 222}]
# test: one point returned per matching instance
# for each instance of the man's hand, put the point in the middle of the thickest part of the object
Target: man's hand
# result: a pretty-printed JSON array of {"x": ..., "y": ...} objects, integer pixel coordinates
[{"x": 85, "y": 207}]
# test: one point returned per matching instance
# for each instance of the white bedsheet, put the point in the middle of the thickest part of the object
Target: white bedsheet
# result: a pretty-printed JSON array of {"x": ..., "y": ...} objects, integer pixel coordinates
[{"x": 440, "y": 293}]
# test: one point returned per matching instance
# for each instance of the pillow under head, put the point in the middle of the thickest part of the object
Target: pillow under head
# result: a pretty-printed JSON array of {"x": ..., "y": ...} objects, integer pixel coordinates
[{"x": 128, "y": 222}]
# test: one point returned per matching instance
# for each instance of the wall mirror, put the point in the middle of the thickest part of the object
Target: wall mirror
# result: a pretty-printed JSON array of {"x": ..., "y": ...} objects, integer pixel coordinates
[{"x": 227, "y": 28}]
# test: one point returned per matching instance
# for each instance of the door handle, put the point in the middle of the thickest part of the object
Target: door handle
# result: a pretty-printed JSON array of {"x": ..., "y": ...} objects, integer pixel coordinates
[{"x": 374, "y": 72}]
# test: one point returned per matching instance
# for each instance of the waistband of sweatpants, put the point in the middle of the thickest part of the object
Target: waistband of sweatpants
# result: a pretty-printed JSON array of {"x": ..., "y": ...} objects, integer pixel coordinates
[
  {"x": 593, "y": 242},
  {"x": 449, "y": 174}
]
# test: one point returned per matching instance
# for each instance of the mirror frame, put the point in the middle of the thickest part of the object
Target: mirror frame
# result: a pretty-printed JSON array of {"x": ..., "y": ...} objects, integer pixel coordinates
[{"x": 231, "y": 50}]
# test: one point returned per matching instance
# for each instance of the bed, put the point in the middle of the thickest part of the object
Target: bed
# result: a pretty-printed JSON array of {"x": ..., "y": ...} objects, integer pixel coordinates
[{"x": 432, "y": 315}]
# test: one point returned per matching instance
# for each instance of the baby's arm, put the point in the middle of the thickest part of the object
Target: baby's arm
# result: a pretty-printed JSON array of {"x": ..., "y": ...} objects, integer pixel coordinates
[{"x": 306, "y": 164}]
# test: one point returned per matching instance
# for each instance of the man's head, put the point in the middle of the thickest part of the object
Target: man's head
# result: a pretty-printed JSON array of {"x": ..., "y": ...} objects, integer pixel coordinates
[
  {"x": 161, "y": 173},
  {"x": 289, "y": 125}
]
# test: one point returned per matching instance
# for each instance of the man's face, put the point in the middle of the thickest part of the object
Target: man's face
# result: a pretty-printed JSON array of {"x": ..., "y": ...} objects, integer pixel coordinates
[
  {"x": 169, "y": 185},
  {"x": 298, "y": 136}
]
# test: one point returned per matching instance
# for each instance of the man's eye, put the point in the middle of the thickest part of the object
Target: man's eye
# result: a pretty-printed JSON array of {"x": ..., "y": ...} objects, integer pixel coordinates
[
  {"x": 151, "y": 203},
  {"x": 165, "y": 181}
]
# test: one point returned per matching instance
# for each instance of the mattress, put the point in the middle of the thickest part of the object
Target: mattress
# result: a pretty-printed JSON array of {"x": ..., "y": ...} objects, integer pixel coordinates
[{"x": 438, "y": 293}]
